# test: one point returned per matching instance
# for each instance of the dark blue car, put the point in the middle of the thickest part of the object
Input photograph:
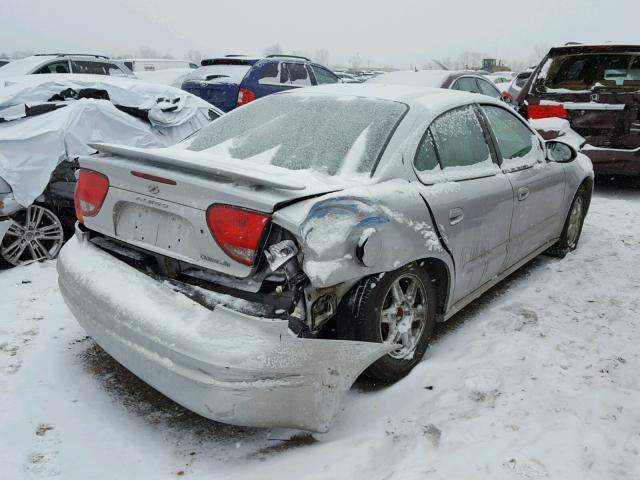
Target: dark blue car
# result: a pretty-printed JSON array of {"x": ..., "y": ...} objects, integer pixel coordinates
[{"x": 231, "y": 81}]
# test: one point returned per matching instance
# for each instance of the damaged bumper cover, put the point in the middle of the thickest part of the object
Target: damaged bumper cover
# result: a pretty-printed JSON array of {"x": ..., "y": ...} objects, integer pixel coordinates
[{"x": 222, "y": 364}]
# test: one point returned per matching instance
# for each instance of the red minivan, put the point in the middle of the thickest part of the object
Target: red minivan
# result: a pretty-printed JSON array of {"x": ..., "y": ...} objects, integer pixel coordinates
[{"x": 597, "y": 89}]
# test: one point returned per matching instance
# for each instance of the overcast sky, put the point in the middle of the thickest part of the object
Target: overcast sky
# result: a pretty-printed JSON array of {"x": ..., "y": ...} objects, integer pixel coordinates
[{"x": 392, "y": 32}]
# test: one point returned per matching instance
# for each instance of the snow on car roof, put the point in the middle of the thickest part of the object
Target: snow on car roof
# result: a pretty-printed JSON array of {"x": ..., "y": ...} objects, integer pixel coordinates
[
  {"x": 23, "y": 66},
  {"x": 423, "y": 78},
  {"x": 434, "y": 99}
]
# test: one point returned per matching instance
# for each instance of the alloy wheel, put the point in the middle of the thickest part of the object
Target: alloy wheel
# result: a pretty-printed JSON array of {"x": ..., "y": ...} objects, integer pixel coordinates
[
  {"x": 34, "y": 234},
  {"x": 403, "y": 315}
]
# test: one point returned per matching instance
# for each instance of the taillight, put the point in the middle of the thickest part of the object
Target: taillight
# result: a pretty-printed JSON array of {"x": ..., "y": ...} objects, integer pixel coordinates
[
  {"x": 91, "y": 190},
  {"x": 546, "y": 111},
  {"x": 245, "y": 96},
  {"x": 237, "y": 231}
]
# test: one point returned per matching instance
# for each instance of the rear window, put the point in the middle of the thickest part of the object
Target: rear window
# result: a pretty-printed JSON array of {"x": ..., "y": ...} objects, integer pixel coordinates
[
  {"x": 324, "y": 133},
  {"x": 220, "y": 73},
  {"x": 588, "y": 70}
]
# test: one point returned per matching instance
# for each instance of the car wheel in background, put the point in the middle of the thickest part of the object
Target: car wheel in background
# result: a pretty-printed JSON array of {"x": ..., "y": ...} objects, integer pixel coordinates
[
  {"x": 573, "y": 225},
  {"x": 35, "y": 234},
  {"x": 397, "y": 308}
]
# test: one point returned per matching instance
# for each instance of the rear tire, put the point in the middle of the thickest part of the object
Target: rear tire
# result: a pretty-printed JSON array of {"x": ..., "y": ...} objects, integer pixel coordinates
[
  {"x": 398, "y": 308},
  {"x": 572, "y": 229}
]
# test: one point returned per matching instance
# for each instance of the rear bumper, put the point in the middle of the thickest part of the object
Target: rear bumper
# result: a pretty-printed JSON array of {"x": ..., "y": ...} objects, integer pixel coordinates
[
  {"x": 222, "y": 364},
  {"x": 614, "y": 161}
]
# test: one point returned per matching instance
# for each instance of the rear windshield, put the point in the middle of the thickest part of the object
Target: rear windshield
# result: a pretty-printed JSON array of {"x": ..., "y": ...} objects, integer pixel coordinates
[
  {"x": 334, "y": 135},
  {"x": 220, "y": 73},
  {"x": 589, "y": 70}
]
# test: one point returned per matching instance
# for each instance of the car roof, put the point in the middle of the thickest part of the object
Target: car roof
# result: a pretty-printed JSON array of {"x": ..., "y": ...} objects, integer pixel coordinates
[
  {"x": 422, "y": 78},
  {"x": 154, "y": 60},
  {"x": 593, "y": 47},
  {"x": 434, "y": 99}
]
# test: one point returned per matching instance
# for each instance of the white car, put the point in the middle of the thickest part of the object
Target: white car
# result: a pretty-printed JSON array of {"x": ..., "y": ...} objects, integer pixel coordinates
[{"x": 65, "y": 63}]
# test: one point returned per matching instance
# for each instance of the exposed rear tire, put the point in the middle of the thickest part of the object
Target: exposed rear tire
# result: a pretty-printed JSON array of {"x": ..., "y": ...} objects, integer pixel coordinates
[
  {"x": 572, "y": 229},
  {"x": 398, "y": 308}
]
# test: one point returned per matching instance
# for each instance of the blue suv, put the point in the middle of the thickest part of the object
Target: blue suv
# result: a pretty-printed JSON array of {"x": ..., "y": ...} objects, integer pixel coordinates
[{"x": 235, "y": 80}]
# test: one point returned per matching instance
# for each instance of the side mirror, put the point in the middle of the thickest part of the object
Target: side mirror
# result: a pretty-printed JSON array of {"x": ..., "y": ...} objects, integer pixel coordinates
[
  {"x": 506, "y": 97},
  {"x": 560, "y": 152}
]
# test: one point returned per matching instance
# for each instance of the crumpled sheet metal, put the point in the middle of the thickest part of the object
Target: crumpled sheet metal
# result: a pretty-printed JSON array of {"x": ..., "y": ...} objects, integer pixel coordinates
[{"x": 222, "y": 364}]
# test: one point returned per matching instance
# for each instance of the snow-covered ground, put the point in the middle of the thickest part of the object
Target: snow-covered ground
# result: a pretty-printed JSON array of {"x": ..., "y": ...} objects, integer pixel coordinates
[{"x": 539, "y": 379}]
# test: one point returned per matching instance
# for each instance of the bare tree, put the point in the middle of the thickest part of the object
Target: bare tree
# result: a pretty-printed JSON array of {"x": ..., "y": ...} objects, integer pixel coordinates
[
  {"x": 468, "y": 59},
  {"x": 300, "y": 53},
  {"x": 355, "y": 61},
  {"x": 274, "y": 49},
  {"x": 194, "y": 56}
]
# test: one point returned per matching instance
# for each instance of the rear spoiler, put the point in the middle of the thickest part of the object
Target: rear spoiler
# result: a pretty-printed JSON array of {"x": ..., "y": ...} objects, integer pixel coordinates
[{"x": 208, "y": 164}]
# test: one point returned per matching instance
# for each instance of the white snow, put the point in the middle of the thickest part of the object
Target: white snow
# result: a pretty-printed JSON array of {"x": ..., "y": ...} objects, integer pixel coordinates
[
  {"x": 537, "y": 380},
  {"x": 421, "y": 78}
]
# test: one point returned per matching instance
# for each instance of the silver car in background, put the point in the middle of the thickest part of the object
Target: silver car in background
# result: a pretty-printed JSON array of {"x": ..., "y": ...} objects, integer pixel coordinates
[{"x": 253, "y": 272}]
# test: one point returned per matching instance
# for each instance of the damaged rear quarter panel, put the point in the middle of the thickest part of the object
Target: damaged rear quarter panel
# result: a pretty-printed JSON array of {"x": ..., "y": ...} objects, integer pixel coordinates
[{"x": 329, "y": 229}]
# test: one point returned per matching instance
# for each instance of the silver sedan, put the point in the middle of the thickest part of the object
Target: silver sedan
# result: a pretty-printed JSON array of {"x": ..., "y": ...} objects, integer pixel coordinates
[{"x": 253, "y": 272}]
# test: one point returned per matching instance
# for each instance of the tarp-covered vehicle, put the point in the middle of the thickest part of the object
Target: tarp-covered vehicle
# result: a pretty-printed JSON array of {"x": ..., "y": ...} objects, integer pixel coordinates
[
  {"x": 254, "y": 271},
  {"x": 46, "y": 122}
]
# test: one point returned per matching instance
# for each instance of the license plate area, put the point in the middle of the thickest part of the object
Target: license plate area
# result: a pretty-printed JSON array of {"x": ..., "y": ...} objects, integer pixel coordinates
[{"x": 161, "y": 229}]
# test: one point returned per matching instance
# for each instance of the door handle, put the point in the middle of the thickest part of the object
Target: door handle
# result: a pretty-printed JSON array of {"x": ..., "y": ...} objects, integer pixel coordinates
[
  {"x": 523, "y": 193},
  {"x": 455, "y": 215}
]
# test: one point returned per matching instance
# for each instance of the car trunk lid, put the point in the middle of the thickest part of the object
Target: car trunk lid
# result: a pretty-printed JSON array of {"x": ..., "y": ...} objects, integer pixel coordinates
[{"x": 158, "y": 199}]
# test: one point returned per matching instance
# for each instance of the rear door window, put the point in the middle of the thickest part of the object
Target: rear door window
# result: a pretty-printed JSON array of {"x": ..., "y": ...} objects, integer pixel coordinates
[
  {"x": 459, "y": 139},
  {"x": 323, "y": 75},
  {"x": 61, "y": 66},
  {"x": 467, "y": 84}
]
